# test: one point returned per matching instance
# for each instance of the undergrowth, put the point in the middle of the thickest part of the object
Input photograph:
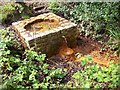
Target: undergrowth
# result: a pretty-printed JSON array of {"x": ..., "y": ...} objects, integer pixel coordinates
[
  {"x": 11, "y": 12},
  {"x": 95, "y": 76},
  {"x": 98, "y": 20},
  {"x": 30, "y": 71},
  {"x": 26, "y": 71}
]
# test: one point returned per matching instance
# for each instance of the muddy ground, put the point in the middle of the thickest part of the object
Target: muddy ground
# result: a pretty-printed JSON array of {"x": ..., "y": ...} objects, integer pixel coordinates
[{"x": 85, "y": 46}]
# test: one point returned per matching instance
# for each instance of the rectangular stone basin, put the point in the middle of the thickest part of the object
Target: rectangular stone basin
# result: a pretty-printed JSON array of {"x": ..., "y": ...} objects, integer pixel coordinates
[{"x": 45, "y": 31}]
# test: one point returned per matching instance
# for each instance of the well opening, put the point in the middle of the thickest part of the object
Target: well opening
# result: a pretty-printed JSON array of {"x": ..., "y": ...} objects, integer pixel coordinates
[
  {"x": 45, "y": 31},
  {"x": 41, "y": 25}
]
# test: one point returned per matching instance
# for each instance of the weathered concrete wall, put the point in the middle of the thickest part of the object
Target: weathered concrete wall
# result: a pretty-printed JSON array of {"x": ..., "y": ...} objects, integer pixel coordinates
[{"x": 49, "y": 41}]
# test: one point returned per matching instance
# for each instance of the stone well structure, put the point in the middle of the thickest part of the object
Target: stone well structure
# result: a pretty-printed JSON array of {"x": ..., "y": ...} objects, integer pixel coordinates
[{"x": 45, "y": 31}]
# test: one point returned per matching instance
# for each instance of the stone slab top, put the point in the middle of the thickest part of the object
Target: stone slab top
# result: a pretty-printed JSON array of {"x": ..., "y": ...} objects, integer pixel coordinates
[{"x": 28, "y": 35}]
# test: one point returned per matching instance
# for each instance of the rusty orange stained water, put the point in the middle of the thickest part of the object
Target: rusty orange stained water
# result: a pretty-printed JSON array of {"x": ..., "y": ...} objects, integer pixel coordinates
[
  {"x": 65, "y": 51},
  {"x": 101, "y": 59},
  {"x": 46, "y": 24}
]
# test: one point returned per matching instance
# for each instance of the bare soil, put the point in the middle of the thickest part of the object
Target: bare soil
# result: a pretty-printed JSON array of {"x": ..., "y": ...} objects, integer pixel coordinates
[{"x": 85, "y": 46}]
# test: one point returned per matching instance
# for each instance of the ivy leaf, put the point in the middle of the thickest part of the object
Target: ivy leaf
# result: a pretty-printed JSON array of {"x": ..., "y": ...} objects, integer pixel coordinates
[
  {"x": 36, "y": 85},
  {"x": 83, "y": 62},
  {"x": 77, "y": 75},
  {"x": 87, "y": 85}
]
